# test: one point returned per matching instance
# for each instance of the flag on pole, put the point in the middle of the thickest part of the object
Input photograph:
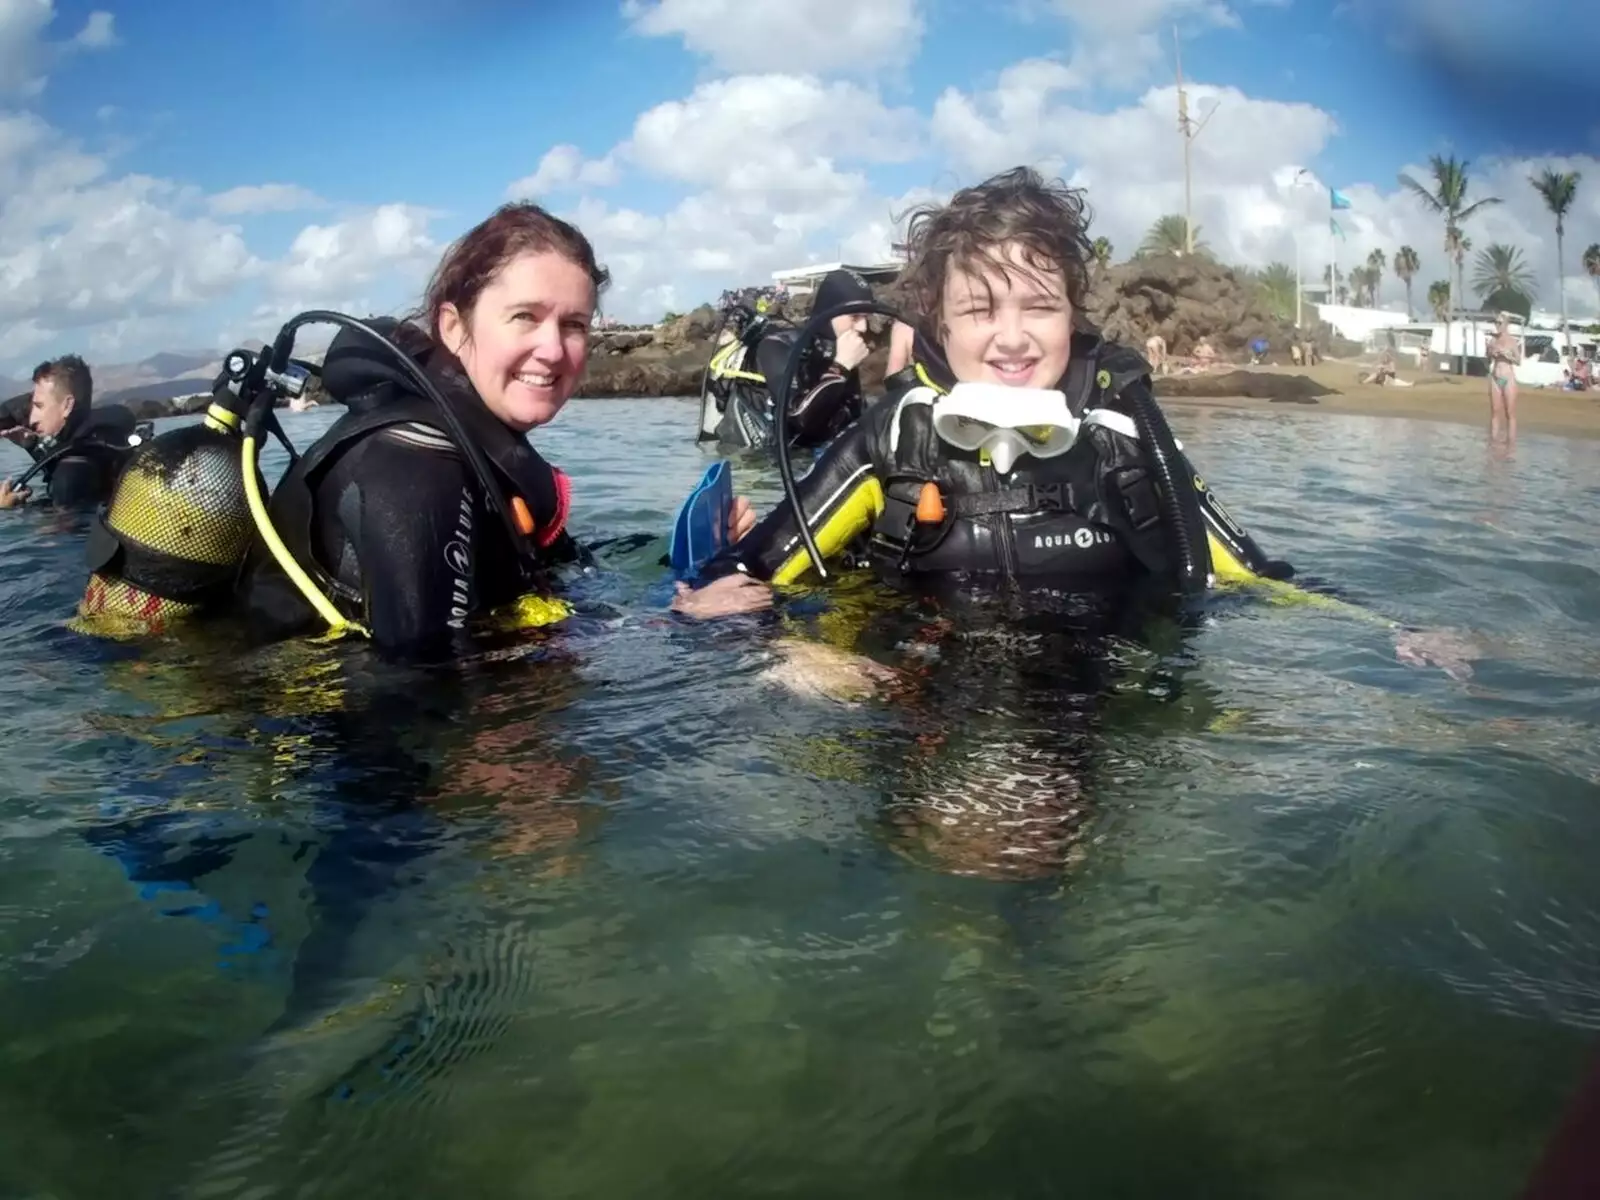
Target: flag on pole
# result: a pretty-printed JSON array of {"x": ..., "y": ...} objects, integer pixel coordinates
[
  {"x": 1334, "y": 226},
  {"x": 1338, "y": 199}
]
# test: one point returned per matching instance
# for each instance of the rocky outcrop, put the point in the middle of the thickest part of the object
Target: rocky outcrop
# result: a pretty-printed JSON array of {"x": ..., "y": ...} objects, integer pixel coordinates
[{"x": 1185, "y": 299}]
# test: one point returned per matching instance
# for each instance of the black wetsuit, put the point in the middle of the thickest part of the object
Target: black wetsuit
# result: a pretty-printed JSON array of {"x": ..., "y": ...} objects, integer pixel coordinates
[
  {"x": 1087, "y": 520},
  {"x": 826, "y": 397},
  {"x": 81, "y": 463},
  {"x": 389, "y": 519}
]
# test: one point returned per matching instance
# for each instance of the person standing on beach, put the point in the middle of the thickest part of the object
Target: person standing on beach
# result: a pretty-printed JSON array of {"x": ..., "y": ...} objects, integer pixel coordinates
[
  {"x": 1504, "y": 354},
  {"x": 1155, "y": 350}
]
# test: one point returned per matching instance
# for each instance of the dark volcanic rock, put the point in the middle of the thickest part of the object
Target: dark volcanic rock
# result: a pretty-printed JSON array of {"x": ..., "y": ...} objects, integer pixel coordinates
[
  {"x": 1186, "y": 299},
  {"x": 1257, "y": 385}
]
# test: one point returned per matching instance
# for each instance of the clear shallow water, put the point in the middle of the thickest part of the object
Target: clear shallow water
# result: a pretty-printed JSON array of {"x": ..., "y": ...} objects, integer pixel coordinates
[{"x": 1253, "y": 910}]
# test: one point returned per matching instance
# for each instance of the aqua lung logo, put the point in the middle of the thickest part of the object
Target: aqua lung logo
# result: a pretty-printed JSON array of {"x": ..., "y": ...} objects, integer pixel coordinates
[
  {"x": 458, "y": 557},
  {"x": 1082, "y": 539}
]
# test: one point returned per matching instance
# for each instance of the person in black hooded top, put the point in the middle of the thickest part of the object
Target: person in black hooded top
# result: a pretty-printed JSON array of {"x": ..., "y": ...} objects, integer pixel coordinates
[
  {"x": 384, "y": 513},
  {"x": 827, "y": 393},
  {"x": 77, "y": 449}
]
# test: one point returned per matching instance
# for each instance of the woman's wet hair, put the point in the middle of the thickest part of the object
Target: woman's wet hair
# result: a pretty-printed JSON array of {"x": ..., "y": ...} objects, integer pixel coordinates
[
  {"x": 475, "y": 258},
  {"x": 1047, "y": 218}
]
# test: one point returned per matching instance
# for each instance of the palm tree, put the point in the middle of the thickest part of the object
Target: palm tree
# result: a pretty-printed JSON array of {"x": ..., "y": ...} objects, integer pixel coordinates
[
  {"x": 1275, "y": 285},
  {"x": 1361, "y": 283},
  {"x": 1439, "y": 299},
  {"x": 1502, "y": 279},
  {"x": 1406, "y": 265},
  {"x": 1559, "y": 191},
  {"x": 1448, "y": 199},
  {"x": 1102, "y": 253},
  {"x": 1334, "y": 281},
  {"x": 1169, "y": 235},
  {"x": 1591, "y": 264},
  {"x": 1375, "y": 264}
]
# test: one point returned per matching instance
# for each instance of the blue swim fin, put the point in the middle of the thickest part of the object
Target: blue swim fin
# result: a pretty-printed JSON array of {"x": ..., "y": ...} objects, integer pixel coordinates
[{"x": 701, "y": 528}]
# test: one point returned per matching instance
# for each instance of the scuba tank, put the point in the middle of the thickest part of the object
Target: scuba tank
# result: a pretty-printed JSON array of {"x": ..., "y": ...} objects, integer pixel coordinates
[{"x": 174, "y": 533}]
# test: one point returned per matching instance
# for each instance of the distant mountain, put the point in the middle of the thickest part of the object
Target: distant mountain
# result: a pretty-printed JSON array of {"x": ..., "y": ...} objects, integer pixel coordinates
[
  {"x": 169, "y": 364},
  {"x": 165, "y": 389},
  {"x": 162, "y": 376}
]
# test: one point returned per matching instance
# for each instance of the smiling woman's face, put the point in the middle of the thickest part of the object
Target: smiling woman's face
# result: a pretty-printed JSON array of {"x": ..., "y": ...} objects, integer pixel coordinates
[
  {"x": 1010, "y": 325},
  {"x": 526, "y": 342}
]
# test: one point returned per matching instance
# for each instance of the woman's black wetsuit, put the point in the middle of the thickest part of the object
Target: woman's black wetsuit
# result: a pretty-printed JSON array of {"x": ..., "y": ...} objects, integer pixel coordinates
[{"x": 388, "y": 518}]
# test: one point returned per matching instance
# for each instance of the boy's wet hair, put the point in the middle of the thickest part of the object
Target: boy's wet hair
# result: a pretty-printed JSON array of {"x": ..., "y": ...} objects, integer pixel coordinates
[{"x": 1047, "y": 218}]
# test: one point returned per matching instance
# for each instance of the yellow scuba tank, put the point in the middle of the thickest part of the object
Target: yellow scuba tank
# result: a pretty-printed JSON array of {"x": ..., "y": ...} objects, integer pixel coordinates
[{"x": 174, "y": 534}]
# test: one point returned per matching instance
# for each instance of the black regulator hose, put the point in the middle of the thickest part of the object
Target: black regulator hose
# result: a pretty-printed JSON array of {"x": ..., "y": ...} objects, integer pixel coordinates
[
  {"x": 475, "y": 457},
  {"x": 1185, "y": 526},
  {"x": 780, "y": 399},
  {"x": 60, "y": 452}
]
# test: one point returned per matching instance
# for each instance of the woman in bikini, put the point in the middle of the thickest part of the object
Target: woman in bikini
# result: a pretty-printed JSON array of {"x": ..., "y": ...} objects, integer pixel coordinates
[{"x": 1504, "y": 354}]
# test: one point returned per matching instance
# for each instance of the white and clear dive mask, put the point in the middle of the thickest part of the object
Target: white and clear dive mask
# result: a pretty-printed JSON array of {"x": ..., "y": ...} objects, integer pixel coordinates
[{"x": 1006, "y": 422}]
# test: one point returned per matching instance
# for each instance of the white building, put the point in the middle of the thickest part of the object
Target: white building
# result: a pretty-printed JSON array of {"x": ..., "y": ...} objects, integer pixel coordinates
[
  {"x": 802, "y": 281},
  {"x": 1359, "y": 324}
]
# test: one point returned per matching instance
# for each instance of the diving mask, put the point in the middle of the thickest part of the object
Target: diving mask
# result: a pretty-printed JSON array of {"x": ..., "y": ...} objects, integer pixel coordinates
[{"x": 1006, "y": 422}]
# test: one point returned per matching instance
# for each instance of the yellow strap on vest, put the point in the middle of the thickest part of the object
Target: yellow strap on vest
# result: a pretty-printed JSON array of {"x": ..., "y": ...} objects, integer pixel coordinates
[{"x": 852, "y": 517}]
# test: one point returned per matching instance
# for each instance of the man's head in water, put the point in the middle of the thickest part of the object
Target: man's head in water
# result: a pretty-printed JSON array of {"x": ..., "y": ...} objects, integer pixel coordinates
[
  {"x": 998, "y": 273},
  {"x": 514, "y": 300},
  {"x": 60, "y": 388}
]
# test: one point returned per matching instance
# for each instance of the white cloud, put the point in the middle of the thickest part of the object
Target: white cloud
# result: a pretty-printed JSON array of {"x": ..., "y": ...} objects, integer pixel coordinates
[
  {"x": 105, "y": 263},
  {"x": 780, "y": 163},
  {"x": 327, "y": 261},
  {"x": 26, "y": 56},
  {"x": 78, "y": 249},
  {"x": 770, "y": 134},
  {"x": 564, "y": 167},
  {"x": 772, "y": 35},
  {"x": 780, "y": 182},
  {"x": 264, "y": 198},
  {"x": 98, "y": 32}
]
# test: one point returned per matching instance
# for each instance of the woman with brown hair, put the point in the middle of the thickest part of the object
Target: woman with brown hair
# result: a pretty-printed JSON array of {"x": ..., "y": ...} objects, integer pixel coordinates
[{"x": 383, "y": 512}]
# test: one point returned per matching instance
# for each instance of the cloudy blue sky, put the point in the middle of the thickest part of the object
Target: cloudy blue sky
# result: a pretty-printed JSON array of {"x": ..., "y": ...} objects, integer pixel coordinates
[{"x": 184, "y": 174}]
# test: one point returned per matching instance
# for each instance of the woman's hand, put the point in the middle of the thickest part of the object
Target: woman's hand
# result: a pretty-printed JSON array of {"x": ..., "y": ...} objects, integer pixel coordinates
[
  {"x": 722, "y": 597},
  {"x": 741, "y": 518}
]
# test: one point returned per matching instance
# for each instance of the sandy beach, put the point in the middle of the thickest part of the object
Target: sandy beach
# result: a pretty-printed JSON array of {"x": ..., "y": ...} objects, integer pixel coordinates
[{"x": 1445, "y": 398}]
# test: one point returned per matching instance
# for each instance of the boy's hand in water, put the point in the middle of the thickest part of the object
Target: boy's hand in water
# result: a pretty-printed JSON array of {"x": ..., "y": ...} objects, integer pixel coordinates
[
  {"x": 741, "y": 517},
  {"x": 722, "y": 597}
]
